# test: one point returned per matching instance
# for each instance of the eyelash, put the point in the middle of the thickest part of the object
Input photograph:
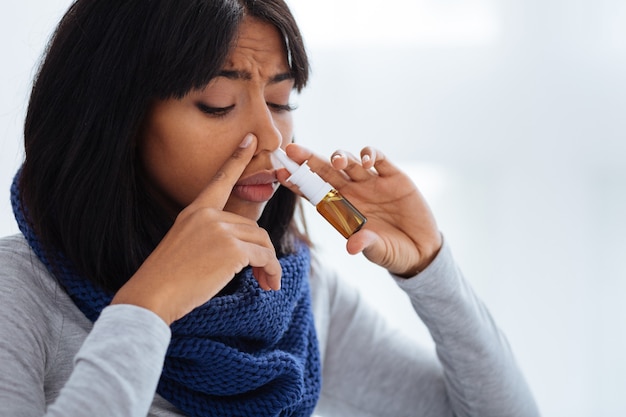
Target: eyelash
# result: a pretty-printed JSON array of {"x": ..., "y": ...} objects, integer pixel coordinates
[
  {"x": 223, "y": 111},
  {"x": 215, "y": 111},
  {"x": 279, "y": 108}
]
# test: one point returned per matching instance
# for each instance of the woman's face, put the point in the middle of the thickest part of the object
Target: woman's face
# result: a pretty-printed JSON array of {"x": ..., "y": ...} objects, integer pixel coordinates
[{"x": 185, "y": 141}]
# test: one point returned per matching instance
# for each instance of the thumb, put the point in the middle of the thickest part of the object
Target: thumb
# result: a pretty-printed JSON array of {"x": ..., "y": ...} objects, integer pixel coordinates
[
  {"x": 217, "y": 191},
  {"x": 362, "y": 241}
]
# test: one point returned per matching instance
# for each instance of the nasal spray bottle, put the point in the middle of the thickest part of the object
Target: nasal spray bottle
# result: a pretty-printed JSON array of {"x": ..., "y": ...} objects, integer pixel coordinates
[{"x": 339, "y": 212}]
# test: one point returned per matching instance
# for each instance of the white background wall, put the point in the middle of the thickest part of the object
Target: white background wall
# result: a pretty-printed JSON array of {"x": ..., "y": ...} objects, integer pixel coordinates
[{"x": 510, "y": 115}]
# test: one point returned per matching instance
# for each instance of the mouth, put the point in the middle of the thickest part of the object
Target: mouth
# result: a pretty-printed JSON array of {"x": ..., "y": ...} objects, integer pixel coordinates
[{"x": 257, "y": 188}]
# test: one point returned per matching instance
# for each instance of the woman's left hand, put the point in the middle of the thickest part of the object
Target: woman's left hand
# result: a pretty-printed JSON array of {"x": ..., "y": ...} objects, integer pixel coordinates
[{"x": 401, "y": 234}]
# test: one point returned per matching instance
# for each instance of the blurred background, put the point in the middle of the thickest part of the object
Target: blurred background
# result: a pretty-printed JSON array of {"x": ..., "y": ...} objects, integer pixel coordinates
[{"x": 509, "y": 115}]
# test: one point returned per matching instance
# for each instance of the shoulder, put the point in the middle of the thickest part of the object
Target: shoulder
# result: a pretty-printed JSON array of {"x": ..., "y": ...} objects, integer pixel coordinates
[
  {"x": 325, "y": 283},
  {"x": 30, "y": 320},
  {"x": 29, "y": 295},
  {"x": 334, "y": 300},
  {"x": 20, "y": 270},
  {"x": 16, "y": 254},
  {"x": 14, "y": 246},
  {"x": 328, "y": 286}
]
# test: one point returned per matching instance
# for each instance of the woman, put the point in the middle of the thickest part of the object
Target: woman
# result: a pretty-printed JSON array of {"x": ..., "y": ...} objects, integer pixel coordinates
[{"x": 159, "y": 254}]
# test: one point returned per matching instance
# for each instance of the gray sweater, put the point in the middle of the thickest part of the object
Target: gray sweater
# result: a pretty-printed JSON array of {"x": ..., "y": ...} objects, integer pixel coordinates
[{"x": 55, "y": 362}]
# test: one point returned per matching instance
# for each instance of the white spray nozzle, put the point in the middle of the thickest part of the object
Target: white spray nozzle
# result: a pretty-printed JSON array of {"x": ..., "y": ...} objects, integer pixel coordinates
[
  {"x": 310, "y": 184},
  {"x": 282, "y": 157}
]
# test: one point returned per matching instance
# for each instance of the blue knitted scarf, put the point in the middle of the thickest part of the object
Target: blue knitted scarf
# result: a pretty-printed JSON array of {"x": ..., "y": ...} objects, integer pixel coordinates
[{"x": 248, "y": 353}]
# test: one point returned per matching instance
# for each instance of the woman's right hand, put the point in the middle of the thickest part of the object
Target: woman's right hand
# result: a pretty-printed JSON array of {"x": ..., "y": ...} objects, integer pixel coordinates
[{"x": 204, "y": 250}]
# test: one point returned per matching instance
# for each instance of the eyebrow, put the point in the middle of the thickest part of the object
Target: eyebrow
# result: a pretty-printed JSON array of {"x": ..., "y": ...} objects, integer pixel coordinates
[{"x": 246, "y": 76}]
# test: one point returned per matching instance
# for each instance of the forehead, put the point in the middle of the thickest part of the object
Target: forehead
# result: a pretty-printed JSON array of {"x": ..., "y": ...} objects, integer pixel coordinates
[{"x": 259, "y": 47}]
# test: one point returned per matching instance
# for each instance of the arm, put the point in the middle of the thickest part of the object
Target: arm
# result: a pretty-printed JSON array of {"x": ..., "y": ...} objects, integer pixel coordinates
[
  {"x": 117, "y": 369},
  {"x": 479, "y": 370},
  {"x": 372, "y": 369},
  {"x": 369, "y": 368},
  {"x": 478, "y": 373},
  {"x": 115, "y": 372}
]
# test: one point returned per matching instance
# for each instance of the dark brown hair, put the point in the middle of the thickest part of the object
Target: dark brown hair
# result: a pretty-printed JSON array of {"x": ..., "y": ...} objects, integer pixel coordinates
[{"x": 106, "y": 62}]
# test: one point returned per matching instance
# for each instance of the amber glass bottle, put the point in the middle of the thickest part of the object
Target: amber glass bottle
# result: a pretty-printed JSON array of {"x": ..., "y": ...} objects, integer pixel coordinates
[
  {"x": 334, "y": 207},
  {"x": 341, "y": 213}
]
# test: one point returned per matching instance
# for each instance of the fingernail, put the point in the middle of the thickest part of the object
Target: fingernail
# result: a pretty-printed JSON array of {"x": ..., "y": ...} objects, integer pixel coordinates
[
  {"x": 335, "y": 157},
  {"x": 246, "y": 141},
  {"x": 365, "y": 159}
]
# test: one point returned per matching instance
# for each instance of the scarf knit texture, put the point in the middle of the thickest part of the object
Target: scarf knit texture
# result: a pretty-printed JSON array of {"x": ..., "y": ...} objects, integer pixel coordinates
[{"x": 246, "y": 353}]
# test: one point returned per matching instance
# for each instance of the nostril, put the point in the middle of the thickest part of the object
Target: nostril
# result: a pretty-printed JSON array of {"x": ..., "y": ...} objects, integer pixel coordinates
[{"x": 270, "y": 139}]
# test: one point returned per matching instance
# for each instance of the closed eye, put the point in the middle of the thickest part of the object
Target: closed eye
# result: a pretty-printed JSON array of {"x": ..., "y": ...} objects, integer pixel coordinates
[
  {"x": 279, "y": 108},
  {"x": 215, "y": 111}
]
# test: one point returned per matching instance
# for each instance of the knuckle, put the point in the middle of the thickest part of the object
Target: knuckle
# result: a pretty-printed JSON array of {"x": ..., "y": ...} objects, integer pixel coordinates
[
  {"x": 198, "y": 215},
  {"x": 205, "y": 213},
  {"x": 220, "y": 176},
  {"x": 234, "y": 247},
  {"x": 239, "y": 155},
  {"x": 186, "y": 214}
]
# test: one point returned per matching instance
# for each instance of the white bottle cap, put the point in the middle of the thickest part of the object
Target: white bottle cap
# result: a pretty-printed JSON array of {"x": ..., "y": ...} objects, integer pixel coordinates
[{"x": 310, "y": 184}]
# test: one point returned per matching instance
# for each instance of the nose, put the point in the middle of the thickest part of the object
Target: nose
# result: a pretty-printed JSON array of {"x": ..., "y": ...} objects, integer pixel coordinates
[{"x": 265, "y": 129}]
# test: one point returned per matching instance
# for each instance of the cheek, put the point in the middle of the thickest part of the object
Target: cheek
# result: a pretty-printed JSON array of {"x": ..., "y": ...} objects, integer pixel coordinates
[{"x": 179, "y": 158}]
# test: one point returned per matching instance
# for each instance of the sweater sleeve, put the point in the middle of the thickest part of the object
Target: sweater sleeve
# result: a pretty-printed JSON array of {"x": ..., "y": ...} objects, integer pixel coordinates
[
  {"x": 480, "y": 372},
  {"x": 371, "y": 369},
  {"x": 115, "y": 371}
]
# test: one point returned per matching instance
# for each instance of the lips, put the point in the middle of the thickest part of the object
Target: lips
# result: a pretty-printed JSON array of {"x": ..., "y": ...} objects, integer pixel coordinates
[{"x": 257, "y": 188}]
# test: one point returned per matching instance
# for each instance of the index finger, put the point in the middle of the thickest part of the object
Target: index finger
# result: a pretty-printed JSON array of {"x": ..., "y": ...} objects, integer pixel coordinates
[
  {"x": 217, "y": 191},
  {"x": 319, "y": 165},
  {"x": 379, "y": 162}
]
